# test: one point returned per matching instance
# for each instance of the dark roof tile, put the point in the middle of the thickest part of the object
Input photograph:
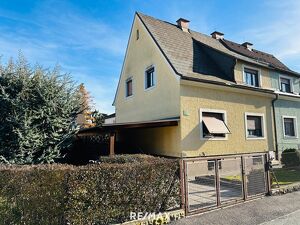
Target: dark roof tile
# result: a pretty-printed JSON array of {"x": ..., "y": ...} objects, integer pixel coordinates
[{"x": 255, "y": 54}]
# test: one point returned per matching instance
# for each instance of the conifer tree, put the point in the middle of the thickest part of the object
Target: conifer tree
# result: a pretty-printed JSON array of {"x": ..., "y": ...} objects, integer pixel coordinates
[{"x": 39, "y": 108}]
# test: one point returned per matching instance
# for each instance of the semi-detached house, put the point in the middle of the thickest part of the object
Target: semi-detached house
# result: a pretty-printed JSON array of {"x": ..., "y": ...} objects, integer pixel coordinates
[{"x": 218, "y": 97}]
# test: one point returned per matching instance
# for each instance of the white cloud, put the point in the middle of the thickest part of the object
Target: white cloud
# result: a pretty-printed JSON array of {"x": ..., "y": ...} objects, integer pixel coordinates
[{"x": 278, "y": 33}]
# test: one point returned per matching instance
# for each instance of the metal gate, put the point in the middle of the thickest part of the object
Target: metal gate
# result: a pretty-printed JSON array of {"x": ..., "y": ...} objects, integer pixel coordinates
[{"x": 214, "y": 182}]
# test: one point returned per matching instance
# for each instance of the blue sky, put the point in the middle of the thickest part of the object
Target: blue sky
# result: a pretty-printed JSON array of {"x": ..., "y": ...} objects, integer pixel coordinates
[{"x": 88, "y": 38}]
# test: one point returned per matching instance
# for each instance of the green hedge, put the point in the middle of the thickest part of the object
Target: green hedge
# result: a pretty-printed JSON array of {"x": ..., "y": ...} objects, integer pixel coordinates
[
  {"x": 94, "y": 194},
  {"x": 290, "y": 158}
]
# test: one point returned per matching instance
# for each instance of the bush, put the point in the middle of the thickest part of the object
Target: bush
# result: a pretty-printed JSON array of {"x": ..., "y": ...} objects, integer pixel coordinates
[
  {"x": 290, "y": 158},
  {"x": 127, "y": 158},
  {"x": 32, "y": 194},
  {"x": 94, "y": 194}
]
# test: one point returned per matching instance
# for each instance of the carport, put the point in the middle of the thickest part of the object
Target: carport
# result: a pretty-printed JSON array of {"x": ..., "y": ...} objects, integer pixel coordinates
[{"x": 114, "y": 130}]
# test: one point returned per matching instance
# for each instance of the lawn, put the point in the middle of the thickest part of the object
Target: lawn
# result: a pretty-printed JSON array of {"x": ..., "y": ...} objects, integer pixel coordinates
[{"x": 287, "y": 176}]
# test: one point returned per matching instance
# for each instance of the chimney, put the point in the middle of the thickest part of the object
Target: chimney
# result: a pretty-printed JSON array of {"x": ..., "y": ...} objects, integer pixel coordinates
[
  {"x": 217, "y": 35},
  {"x": 248, "y": 45},
  {"x": 183, "y": 24}
]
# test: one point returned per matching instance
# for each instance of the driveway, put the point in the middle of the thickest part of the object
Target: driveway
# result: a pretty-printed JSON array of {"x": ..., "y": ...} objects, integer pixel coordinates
[{"x": 276, "y": 210}]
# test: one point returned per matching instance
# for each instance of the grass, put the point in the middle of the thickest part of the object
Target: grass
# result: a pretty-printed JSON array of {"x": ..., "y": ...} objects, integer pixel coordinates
[
  {"x": 233, "y": 178},
  {"x": 287, "y": 176}
]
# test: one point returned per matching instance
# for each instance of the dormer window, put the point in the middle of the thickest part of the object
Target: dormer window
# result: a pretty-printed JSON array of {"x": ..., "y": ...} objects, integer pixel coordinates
[
  {"x": 251, "y": 77},
  {"x": 285, "y": 84}
]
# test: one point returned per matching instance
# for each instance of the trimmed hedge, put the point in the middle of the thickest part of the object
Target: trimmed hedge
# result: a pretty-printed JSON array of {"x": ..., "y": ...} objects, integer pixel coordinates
[
  {"x": 94, "y": 194},
  {"x": 290, "y": 158}
]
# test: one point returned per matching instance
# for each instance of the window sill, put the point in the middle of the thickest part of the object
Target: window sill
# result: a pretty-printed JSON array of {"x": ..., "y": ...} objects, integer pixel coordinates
[
  {"x": 287, "y": 92},
  {"x": 213, "y": 139},
  {"x": 290, "y": 137},
  {"x": 249, "y": 85},
  {"x": 150, "y": 88},
  {"x": 255, "y": 138},
  {"x": 128, "y": 97}
]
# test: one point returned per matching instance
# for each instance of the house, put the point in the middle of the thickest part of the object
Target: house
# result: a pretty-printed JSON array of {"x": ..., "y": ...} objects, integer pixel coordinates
[
  {"x": 287, "y": 110},
  {"x": 221, "y": 93},
  {"x": 217, "y": 105},
  {"x": 108, "y": 119}
]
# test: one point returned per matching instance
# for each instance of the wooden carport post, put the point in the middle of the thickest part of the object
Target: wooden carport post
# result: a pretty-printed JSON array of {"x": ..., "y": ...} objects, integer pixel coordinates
[{"x": 112, "y": 138}]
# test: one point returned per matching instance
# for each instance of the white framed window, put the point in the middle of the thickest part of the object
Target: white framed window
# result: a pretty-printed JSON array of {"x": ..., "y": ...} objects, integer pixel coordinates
[
  {"x": 255, "y": 127},
  {"x": 285, "y": 84},
  {"x": 213, "y": 124},
  {"x": 129, "y": 87},
  {"x": 251, "y": 76},
  {"x": 289, "y": 126},
  {"x": 150, "y": 77}
]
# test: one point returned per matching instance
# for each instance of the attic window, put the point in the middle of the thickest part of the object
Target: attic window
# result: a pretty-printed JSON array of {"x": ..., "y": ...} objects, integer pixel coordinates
[
  {"x": 137, "y": 34},
  {"x": 149, "y": 78},
  {"x": 128, "y": 87}
]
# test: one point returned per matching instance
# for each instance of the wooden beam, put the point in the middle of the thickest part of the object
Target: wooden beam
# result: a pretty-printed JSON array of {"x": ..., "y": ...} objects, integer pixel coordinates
[{"x": 112, "y": 144}]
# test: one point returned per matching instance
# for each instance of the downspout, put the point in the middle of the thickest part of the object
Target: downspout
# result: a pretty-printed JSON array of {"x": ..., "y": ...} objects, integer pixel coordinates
[{"x": 275, "y": 127}]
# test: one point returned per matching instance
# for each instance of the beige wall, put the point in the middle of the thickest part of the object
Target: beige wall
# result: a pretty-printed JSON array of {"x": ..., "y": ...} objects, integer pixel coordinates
[
  {"x": 160, "y": 102},
  {"x": 265, "y": 77},
  {"x": 164, "y": 141},
  {"x": 193, "y": 98}
]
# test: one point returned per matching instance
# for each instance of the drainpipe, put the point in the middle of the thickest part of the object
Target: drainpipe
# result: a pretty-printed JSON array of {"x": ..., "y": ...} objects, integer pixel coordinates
[{"x": 275, "y": 127}]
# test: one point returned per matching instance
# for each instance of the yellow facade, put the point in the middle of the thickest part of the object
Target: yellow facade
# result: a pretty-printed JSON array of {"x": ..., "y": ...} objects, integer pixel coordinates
[
  {"x": 161, "y": 101},
  {"x": 264, "y": 74},
  {"x": 236, "y": 104}
]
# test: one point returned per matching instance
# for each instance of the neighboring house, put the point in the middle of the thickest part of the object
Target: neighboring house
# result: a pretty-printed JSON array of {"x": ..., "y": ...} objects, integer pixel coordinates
[
  {"x": 287, "y": 110},
  {"x": 109, "y": 119},
  {"x": 220, "y": 93}
]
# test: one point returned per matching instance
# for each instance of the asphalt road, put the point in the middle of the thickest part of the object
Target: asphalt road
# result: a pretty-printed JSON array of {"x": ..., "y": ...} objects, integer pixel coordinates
[{"x": 275, "y": 210}]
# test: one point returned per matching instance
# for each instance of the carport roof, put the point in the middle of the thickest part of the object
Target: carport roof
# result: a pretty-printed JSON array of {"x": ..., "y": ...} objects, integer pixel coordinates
[{"x": 130, "y": 125}]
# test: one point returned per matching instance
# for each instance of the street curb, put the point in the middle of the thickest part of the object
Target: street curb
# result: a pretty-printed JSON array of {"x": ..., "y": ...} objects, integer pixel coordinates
[{"x": 286, "y": 189}]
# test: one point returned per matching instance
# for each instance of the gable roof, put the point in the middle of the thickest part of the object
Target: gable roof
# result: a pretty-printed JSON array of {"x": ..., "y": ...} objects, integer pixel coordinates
[
  {"x": 255, "y": 54},
  {"x": 182, "y": 48}
]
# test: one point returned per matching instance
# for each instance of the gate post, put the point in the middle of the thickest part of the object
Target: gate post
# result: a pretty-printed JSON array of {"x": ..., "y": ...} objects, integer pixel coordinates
[
  {"x": 218, "y": 182},
  {"x": 267, "y": 171},
  {"x": 244, "y": 178},
  {"x": 182, "y": 173},
  {"x": 112, "y": 139}
]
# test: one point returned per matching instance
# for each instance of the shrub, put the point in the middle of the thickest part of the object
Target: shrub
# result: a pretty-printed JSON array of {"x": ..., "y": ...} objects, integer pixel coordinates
[
  {"x": 290, "y": 158},
  {"x": 127, "y": 158},
  {"x": 32, "y": 194},
  {"x": 94, "y": 194}
]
